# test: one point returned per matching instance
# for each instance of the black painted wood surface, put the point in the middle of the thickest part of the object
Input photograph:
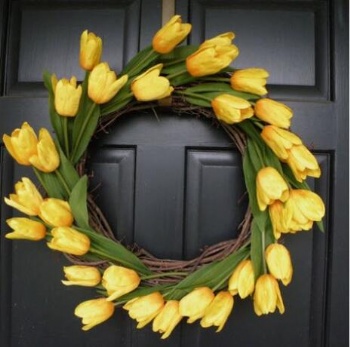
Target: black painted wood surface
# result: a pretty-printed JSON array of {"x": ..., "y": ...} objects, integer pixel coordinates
[{"x": 174, "y": 184}]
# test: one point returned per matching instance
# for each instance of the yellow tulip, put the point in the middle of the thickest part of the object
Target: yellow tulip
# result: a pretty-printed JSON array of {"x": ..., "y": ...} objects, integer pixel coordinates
[
  {"x": 273, "y": 112},
  {"x": 103, "y": 84},
  {"x": 21, "y": 144},
  {"x": 280, "y": 218},
  {"x": 194, "y": 304},
  {"x": 27, "y": 198},
  {"x": 303, "y": 208},
  {"x": 25, "y": 228},
  {"x": 270, "y": 186},
  {"x": 218, "y": 311},
  {"x": 224, "y": 39},
  {"x": 144, "y": 309},
  {"x": 242, "y": 279},
  {"x": 289, "y": 148},
  {"x": 170, "y": 35},
  {"x": 69, "y": 240},
  {"x": 150, "y": 86},
  {"x": 168, "y": 318},
  {"x": 90, "y": 50},
  {"x": 94, "y": 312},
  {"x": 67, "y": 96},
  {"x": 267, "y": 295},
  {"x": 251, "y": 80},
  {"x": 231, "y": 109},
  {"x": 56, "y": 212},
  {"x": 119, "y": 280},
  {"x": 212, "y": 56},
  {"x": 303, "y": 163},
  {"x": 81, "y": 275},
  {"x": 279, "y": 262},
  {"x": 47, "y": 158}
]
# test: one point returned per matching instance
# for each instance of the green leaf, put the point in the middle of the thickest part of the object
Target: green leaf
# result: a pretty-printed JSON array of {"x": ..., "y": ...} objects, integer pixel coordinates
[
  {"x": 67, "y": 170},
  {"x": 56, "y": 119},
  {"x": 214, "y": 275},
  {"x": 141, "y": 61},
  {"x": 84, "y": 127},
  {"x": 177, "y": 54},
  {"x": 256, "y": 249},
  {"x": 77, "y": 202},
  {"x": 197, "y": 101},
  {"x": 51, "y": 184},
  {"x": 109, "y": 249},
  {"x": 182, "y": 79}
]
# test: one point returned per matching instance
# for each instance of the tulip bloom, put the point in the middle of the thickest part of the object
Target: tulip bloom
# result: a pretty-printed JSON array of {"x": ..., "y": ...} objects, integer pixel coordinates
[
  {"x": 56, "y": 212},
  {"x": 267, "y": 295},
  {"x": 212, "y": 56},
  {"x": 27, "y": 198},
  {"x": 251, "y": 80},
  {"x": 150, "y": 86},
  {"x": 280, "y": 218},
  {"x": 69, "y": 240},
  {"x": 119, "y": 280},
  {"x": 218, "y": 311},
  {"x": 303, "y": 208},
  {"x": 90, "y": 50},
  {"x": 145, "y": 308},
  {"x": 231, "y": 109},
  {"x": 81, "y": 275},
  {"x": 273, "y": 112},
  {"x": 289, "y": 148},
  {"x": 242, "y": 279},
  {"x": 103, "y": 84},
  {"x": 47, "y": 158},
  {"x": 67, "y": 96},
  {"x": 26, "y": 229},
  {"x": 279, "y": 262},
  {"x": 94, "y": 312},
  {"x": 270, "y": 186},
  {"x": 21, "y": 144},
  {"x": 170, "y": 35},
  {"x": 168, "y": 318},
  {"x": 194, "y": 304}
]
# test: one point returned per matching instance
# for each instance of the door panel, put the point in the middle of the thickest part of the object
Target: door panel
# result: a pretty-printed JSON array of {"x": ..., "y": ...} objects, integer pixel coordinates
[{"x": 174, "y": 184}]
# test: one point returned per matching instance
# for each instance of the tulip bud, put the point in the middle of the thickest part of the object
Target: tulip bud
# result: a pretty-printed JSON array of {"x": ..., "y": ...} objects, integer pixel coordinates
[
  {"x": 194, "y": 304},
  {"x": 145, "y": 308},
  {"x": 90, "y": 50},
  {"x": 267, "y": 295},
  {"x": 69, "y": 240},
  {"x": 170, "y": 35},
  {"x": 27, "y": 198},
  {"x": 273, "y": 112},
  {"x": 150, "y": 86},
  {"x": 67, "y": 96},
  {"x": 103, "y": 83},
  {"x": 21, "y": 144},
  {"x": 242, "y": 279},
  {"x": 47, "y": 158},
  {"x": 279, "y": 262},
  {"x": 231, "y": 109},
  {"x": 270, "y": 186},
  {"x": 25, "y": 228},
  {"x": 81, "y": 275},
  {"x": 212, "y": 56},
  {"x": 280, "y": 219},
  {"x": 168, "y": 318},
  {"x": 119, "y": 280},
  {"x": 94, "y": 312},
  {"x": 251, "y": 80},
  {"x": 304, "y": 207},
  {"x": 56, "y": 212},
  {"x": 218, "y": 311}
]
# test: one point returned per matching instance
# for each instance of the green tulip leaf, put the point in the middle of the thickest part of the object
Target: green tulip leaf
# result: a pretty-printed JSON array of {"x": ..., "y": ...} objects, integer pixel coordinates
[
  {"x": 51, "y": 184},
  {"x": 180, "y": 53},
  {"x": 78, "y": 203},
  {"x": 67, "y": 171},
  {"x": 197, "y": 101}
]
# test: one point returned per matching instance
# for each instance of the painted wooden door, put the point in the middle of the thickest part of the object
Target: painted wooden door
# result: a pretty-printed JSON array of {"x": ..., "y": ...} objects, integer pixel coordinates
[{"x": 174, "y": 184}]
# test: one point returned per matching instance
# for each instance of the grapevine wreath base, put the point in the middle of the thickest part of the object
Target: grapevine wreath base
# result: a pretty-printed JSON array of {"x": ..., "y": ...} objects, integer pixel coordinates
[{"x": 191, "y": 80}]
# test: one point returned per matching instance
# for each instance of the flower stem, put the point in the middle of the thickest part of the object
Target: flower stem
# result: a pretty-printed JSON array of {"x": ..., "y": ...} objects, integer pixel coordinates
[
  {"x": 63, "y": 181},
  {"x": 163, "y": 275},
  {"x": 176, "y": 74},
  {"x": 65, "y": 136},
  {"x": 194, "y": 95}
]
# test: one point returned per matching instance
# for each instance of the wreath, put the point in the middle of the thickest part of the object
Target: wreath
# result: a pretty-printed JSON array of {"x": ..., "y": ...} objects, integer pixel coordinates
[{"x": 190, "y": 79}]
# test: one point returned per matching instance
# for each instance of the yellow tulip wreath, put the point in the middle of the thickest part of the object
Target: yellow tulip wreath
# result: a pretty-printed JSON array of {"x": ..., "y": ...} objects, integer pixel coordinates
[{"x": 190, "y": 79}]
